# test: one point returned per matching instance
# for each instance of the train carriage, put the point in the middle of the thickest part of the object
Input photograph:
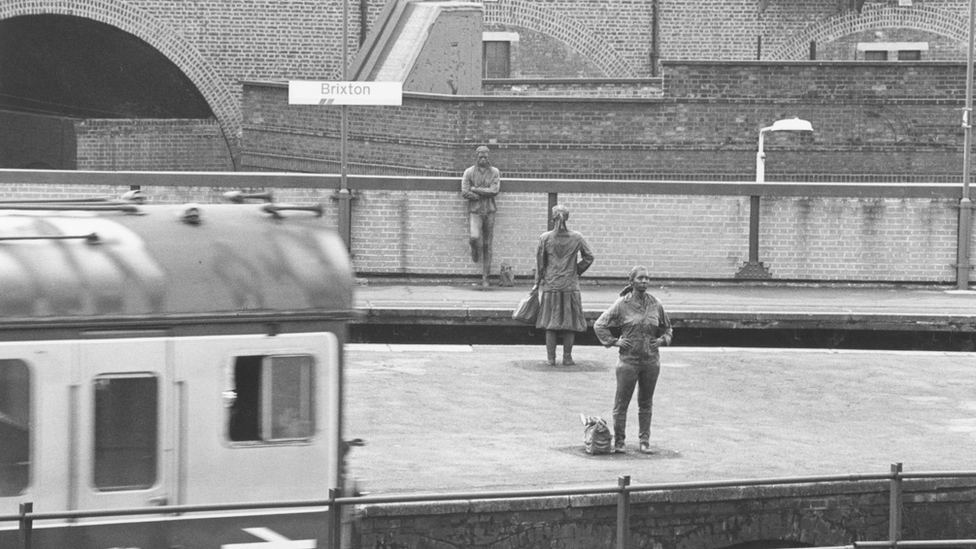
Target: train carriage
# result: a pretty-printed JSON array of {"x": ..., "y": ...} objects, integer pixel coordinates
[{"x": 153, "y": 356}]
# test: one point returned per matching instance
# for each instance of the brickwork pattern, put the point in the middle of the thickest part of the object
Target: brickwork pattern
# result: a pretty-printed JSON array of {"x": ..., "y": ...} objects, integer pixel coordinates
[
  {"x": 644, "y": 88},
  {"x": 538, "y": 55},
  {"x": 893, "y": 123},
  {"x": 591, "y": 29},
  {"x": 873, "y": 239},
  {"x": 219, "y": 44},
  {"x": 939, "y": 18},
  {"x": 187, "y": 145},
  {"x": 813, "y": 515},
  {"x": 940, "y": 47}
]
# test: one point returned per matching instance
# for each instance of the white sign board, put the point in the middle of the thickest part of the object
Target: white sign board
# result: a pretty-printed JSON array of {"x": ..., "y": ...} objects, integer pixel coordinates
[{"x": 304, "y": 92}]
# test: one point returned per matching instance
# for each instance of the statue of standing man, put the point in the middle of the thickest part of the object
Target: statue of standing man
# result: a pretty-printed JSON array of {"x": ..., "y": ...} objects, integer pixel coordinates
[{"x": 479, "y": 185}]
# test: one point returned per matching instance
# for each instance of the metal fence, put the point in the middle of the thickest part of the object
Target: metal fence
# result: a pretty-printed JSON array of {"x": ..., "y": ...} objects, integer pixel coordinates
[
  {"x": 716, "y": 185},
  {"x": 346, "y": 186},
  {"x": 338, "y": 504}
]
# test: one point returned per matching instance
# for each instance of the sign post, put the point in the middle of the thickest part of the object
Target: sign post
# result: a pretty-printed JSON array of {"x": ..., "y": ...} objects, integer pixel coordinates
[{"x": 342, "y": 94}]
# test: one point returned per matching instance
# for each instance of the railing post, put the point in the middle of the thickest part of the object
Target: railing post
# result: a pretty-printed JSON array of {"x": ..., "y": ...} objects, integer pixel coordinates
[
  {"x": 894, "y": 505},
  {"x": 753, "y": 268},
  {"x": 26, "y": 525},
  {"x": 345, "y": 198},
  {"x": 335, "y": 519},
  {"x": 553, "y": 200},
  {"x": 623, "y": 513}
]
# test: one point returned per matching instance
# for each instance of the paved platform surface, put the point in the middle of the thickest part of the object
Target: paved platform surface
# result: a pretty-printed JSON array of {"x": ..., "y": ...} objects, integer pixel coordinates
[
  {"x": 463, "y": 418},
  {"x": 719, "y": 304}
]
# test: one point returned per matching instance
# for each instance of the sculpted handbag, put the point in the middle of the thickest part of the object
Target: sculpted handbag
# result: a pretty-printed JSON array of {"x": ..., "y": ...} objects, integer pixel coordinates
[{"x": 528, "y": 309}]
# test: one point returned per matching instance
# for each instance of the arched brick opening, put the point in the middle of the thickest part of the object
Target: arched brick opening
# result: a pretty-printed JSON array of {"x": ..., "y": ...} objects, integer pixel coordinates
[
  {"x": 534, "y": 16},
  {"x": 164, "y": 39},
  {"x": 921, "y": 17}
]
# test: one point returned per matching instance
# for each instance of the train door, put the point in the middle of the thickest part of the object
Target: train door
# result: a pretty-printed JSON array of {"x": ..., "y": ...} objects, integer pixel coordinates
[
  {"x": 261, "y": 417},
  {"x": 35, "y": 425},
  {"x": 123, "y": 424}
]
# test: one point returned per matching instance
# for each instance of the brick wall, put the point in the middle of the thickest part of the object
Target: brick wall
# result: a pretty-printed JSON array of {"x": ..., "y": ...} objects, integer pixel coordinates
[
  {"x": 812, "y": 515},
  {"x": 121, "y": 145},
  {"x": 592, "y": 87},
  {"x": 873, "y": 121},
  {"x": 218, "y": 44},
  {"x": 731, "y": 30},
  {"x": 891, "y": 126},
  {"x": 33, "y": 141}
]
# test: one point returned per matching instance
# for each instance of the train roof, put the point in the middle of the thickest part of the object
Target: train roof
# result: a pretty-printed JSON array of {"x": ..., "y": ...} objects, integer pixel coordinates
[{"x": 116, "y": 260}]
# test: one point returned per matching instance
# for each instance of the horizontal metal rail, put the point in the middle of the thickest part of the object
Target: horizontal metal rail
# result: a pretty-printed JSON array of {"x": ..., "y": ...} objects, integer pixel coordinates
[
  {"x": 68, "y": 178},
  {"x": 335, "y": 504},
  {"x": 917, "y": 543},
  {"x": 907, "y": 544},
  {"x": 495, "y": 494}
]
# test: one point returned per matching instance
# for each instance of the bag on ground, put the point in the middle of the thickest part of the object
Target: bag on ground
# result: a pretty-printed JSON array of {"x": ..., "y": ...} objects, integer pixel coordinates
[
  {"x": 596, "y": 435},
  {"x": 528, "y": 309}
]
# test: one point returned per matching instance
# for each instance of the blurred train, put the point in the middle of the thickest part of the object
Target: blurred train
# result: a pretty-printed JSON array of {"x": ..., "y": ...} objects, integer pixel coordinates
[{"x": 158, "y": 355}]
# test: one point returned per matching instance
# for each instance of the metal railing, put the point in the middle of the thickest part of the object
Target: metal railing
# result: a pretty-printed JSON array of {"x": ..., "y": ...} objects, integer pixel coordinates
[
  {"x": 699, "y": 186},
  {"x": 347, "y": 186},
  {"x": 337, "y": 504}
]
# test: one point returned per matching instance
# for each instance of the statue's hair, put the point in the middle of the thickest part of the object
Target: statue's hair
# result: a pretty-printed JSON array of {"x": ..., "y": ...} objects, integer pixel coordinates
[
  {"x": 632, "y": 278},
  {"x": 634, "y": 271},
  {"x": 560, "y": 211}
]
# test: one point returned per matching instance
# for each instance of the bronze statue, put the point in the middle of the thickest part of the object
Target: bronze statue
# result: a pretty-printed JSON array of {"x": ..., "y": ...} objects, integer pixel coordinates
[
  {"x": 561, "y": 258},
  {"x": 644, "y": 327},
  {"x": 480, "y": 185}
]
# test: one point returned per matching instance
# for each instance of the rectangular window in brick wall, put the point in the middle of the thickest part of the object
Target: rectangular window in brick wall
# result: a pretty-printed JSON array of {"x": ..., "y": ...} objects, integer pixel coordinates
[
  {"x": 496, "y": 60},
  {"x": 884, "y": 51}
]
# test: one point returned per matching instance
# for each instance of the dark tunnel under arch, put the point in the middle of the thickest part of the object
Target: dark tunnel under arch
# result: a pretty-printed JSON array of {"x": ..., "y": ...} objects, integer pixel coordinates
[{"x": 73, "y": 66}]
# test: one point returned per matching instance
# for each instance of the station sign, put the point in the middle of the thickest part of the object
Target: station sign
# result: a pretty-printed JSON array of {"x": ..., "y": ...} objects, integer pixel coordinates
[{"x": 307, "y": 92}]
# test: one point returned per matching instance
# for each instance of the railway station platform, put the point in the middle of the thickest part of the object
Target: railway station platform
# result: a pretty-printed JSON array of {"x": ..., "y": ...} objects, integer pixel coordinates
[
  {"x": 492, "y": 416},
  {"x": 455, "y": 418},
  {"x": 728, "y": 305}
]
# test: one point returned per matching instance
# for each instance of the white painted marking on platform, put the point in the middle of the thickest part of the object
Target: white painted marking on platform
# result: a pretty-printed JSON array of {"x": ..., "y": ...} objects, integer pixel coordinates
[
  {"x": 776, "y": 350},
  {"x": 408, "y": 348},
  {"x": 962, "y": 425},
  {"x": 272, "y": 540}
]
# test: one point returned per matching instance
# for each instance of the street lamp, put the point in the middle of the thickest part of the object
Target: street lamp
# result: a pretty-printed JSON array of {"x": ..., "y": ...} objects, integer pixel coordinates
[
  {"x": 965, "y": 204},
  {"x": 754, "y": 268}
]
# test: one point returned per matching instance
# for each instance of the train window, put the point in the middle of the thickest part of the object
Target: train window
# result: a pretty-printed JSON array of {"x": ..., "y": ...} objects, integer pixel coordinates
[
  {"x": 126, "y": 426},
  {"x": 272, "y": 399},
  {"x": 15, "y": 404}
]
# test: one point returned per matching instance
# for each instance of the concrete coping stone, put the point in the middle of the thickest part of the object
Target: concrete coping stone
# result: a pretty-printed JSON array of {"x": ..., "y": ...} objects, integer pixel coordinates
[{"x": 916, "y": 489}]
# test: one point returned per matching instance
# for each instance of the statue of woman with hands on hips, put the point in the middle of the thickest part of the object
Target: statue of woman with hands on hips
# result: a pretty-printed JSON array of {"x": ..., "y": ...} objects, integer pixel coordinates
[{"x": 644, "y": 327}]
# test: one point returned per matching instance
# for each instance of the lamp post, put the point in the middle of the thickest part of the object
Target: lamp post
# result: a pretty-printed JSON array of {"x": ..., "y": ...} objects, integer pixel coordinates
[
  {"x": 754, "y": 268},
  {"x": 344, "y": 196},
  {"x": 965, "y": 204}
]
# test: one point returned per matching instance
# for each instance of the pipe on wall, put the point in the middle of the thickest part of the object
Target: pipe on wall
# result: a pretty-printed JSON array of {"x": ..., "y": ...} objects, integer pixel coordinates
[
  {"x": 655, "y": 54},
  {"x": 363, "y": 20}
]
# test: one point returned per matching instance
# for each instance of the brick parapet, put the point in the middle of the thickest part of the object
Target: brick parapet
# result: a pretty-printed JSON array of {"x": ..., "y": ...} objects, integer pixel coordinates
[{"x": 822, "y": 514}]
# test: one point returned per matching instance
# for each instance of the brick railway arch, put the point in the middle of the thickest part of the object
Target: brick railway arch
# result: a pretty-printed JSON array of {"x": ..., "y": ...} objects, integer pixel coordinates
[
  {"x": 921, "y": 17},
  {"x": 536, "y": 17},
  {"x": 164, "y": 39}
]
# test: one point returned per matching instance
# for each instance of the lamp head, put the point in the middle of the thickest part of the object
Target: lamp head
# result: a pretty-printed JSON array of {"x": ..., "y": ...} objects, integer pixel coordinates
[{"x": 791, "y": 125}]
